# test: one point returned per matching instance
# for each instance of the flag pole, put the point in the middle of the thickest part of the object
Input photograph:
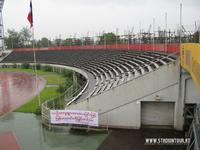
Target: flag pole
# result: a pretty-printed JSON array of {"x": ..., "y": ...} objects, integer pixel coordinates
[
  {"x": 30, "y": 19},
  {"x": 35, "y": 66}
]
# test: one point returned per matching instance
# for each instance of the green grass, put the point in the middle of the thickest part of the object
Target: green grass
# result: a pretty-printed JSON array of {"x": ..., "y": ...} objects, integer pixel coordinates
[
  {"x": 32, "y": 106},
  {"x": 46, "y": 94},
  {"x": 39, "y": 72},
  {"x": 51, "y": 77},
  {"x": 54, "y": 79}
]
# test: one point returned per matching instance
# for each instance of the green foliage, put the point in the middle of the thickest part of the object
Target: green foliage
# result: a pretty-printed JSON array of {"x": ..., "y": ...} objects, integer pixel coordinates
[
  {"x": 32, "y": 106},
  {"x": 44, "y": 42},
  {"x": 14, "y": 66},
  {"x": 25, "y": 36},
  {"x": 196, "y": 37},
  {"x": 54, "y": 79},
  {"x": 67, "y": 42},
  {"x": 3, "y": 66},
  {"x": 68, "y": 82},
  {"x": 25, "y": 66},
  {"x": 38, "y": 111},
  {"x": 108, "y": 38},
  {"x": 61, "y": 88},
  {"x": 47, "y": 68},
  {"x": 15, "y": 39},
  {"x": 38, "y": 66},
  {"x": 67, "y": 73}
]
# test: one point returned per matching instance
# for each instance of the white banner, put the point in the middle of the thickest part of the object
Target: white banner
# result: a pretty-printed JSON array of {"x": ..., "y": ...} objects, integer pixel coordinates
[{"x": 74, "y": 117}]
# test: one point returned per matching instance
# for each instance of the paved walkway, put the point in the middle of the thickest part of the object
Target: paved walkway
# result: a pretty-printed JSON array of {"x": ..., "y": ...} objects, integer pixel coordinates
[
  {"x": 90, "y": 87},
  {"x": 134, "y": 139}
]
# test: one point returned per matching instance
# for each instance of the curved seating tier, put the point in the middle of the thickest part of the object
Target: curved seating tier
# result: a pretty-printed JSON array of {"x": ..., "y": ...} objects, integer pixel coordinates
[{"x": 109, "y": 68}]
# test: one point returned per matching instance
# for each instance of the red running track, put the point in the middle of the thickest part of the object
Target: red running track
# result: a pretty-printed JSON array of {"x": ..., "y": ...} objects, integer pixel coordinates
[
  {"x": 8, "y": 141},
  {"x": 16, "y": 89}
]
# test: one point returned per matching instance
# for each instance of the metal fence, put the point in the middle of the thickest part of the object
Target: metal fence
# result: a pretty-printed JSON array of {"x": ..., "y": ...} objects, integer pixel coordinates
[{"x": 59, "y": 102}]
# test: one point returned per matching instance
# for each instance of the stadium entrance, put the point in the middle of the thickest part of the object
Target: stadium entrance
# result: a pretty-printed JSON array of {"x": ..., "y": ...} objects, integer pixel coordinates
[{"x": 157, "y": 114}]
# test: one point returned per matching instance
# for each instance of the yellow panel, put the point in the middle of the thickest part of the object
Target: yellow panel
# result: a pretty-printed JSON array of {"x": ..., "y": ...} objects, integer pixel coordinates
[{"x": 190, "y": 61}]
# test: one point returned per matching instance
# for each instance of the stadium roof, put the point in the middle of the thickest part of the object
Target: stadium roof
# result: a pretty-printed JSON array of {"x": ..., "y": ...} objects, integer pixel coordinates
[{"x": 1, "y": 5}]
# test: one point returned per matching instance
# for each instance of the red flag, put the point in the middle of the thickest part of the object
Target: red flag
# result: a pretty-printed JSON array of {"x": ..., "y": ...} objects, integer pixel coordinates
[{"x": 30, "y": 15}]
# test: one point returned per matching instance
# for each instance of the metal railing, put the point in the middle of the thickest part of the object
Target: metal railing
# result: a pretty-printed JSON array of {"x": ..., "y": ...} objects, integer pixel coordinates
[
  {"x": 194, "y": 131},
  {"x": 60, "y": 102}
]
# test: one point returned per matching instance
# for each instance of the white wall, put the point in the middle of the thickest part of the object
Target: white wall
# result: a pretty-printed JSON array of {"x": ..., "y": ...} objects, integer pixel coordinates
[
  {"x": 122, "y": 103},
  {"x": 192, "y": 94}
]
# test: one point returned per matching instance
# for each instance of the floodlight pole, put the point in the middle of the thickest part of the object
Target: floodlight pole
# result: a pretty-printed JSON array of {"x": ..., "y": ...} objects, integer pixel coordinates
[
  {"x": 70, "y": 38},
  {"x": 104, "y": 34},
  {"x": 153, "y": 34},
  {"x": 180, "y": 23},
  {"x": 128, "y": 32},
  {"x": 116, "y": 38},
  {"x": 166, "y": 32},
  {"x": 93, "y": 40},
  {"x": 140, "y": 36}
]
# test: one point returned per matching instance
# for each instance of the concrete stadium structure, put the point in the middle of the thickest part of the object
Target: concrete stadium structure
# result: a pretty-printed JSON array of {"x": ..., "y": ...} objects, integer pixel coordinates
[{"x": 129, "y": 89}]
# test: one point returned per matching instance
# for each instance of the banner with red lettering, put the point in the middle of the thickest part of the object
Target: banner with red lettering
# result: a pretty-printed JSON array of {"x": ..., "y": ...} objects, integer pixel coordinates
[{"x": 78, "y": 117}]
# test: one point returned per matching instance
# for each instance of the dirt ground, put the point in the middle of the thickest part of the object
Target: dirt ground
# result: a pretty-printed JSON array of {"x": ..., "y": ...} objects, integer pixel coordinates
[{"x": 134, "y": 139}]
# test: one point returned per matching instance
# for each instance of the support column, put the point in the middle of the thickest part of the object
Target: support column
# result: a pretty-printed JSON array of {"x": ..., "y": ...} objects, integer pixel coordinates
[{"x": 179, "y": 105}]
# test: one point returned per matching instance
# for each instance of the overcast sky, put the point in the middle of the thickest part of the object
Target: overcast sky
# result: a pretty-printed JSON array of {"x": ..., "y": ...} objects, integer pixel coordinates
[{"x": 67, "y": 17}]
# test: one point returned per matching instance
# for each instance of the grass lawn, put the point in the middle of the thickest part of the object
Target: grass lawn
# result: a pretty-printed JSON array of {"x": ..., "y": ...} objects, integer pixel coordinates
[
  {"x": 47, "y": 93},
  {"x": 32, "y": 106}
]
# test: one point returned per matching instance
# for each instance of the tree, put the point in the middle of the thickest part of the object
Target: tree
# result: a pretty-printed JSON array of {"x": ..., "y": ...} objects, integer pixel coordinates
[
  {"x": 25, "y": 36},
  {"x": 44, "y": 42},
  {"x": 196, "y": 37},
  {"x": 15, "y": 39},
  {"x": 67, "y": 42},
  {"x": 108, "y": 38}
]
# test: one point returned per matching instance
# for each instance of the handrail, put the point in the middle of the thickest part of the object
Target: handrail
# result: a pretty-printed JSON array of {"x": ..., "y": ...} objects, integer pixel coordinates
[
  {"x": 137, "y": 99},
  {"x": 75, "y": 98}
]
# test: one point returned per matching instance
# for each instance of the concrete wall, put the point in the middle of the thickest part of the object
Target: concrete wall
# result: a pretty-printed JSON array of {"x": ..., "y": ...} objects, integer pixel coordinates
[
  {"x": 192, "y": 95},
  {"x": 190, "y": 91},
  {"x": 121, "y": 106}
]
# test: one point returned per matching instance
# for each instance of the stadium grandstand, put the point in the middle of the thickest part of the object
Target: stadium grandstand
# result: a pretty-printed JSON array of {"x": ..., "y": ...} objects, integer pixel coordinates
[
  {"x": 130, "y": 89},
  {"x": 133, "y": 85}
]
